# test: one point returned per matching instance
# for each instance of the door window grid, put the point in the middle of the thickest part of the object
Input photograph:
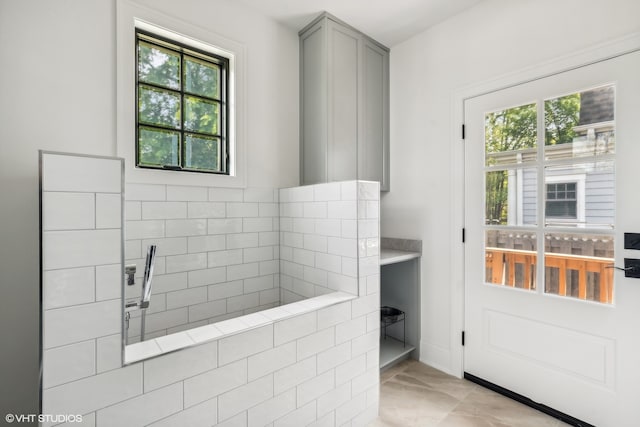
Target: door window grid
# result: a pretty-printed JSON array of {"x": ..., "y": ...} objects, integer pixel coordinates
[{"x": 576, "y": 264}]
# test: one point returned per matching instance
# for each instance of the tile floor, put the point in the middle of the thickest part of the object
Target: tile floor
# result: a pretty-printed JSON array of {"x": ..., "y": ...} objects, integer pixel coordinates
[{"x": 413, "y": 394}]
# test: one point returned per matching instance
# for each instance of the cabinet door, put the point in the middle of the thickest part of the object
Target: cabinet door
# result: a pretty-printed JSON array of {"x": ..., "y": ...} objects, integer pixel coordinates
[
  {"x": 373, "y": 146},
  {"x": 343, "y": 54},
  {"x": 313, "y": 103}
]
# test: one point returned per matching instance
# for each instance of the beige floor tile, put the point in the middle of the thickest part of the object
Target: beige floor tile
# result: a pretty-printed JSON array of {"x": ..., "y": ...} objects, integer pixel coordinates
[
  {"x": 490, "y": 405},
  {"x": 419, "y": 373},
  {"x": 413, "y": 394},
  {"x": 395, "y": 369},
  {"x": 408, "y": 401},
  {"x": 462, "y": 420}
]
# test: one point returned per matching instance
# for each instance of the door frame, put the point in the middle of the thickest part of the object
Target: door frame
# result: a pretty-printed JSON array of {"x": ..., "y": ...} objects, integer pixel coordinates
[{"x": 594, "y": 54}]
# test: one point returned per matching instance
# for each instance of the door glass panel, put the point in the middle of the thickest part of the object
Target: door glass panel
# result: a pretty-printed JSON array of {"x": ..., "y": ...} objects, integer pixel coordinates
[
  {"x": 579, "y": 266},
  {"x": 496, "y": 198},
  {"x": 511, "y": 197},
  {"x": 510, "y": 136},
  {"x": 511, "y": 258},
  {"x": 581, "y": 124},
  {"x": 580, "y": 195}
]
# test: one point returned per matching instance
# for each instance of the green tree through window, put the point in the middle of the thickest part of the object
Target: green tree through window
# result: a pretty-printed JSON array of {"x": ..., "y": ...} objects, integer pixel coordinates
[
  {"x": 181, "y": 107},
  {"x": 561, "y": 115},
  {"x": 506, "y": 131},
  {"x": 515, "y": 130}
]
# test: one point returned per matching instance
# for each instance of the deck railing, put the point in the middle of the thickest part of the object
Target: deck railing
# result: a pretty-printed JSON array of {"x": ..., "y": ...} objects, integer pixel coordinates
[{"x": 501, "y": 267}]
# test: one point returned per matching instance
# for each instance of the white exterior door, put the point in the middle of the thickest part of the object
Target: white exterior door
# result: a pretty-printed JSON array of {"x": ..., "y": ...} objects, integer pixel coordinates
[{"x": 552, "y": 184}]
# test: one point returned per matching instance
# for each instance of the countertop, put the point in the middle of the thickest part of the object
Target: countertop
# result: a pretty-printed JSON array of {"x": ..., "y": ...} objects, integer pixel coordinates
[{"x": 392, "y": 256}]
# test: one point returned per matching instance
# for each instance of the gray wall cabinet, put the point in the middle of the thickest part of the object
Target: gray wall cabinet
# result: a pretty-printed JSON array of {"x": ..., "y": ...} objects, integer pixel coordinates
[{"x": 344, "y": 101}]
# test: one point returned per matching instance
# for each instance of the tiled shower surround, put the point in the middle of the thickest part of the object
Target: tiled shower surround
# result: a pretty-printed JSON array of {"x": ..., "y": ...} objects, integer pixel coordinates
[
  {"x": 300, "y": 364},
  {"x": 217, "y": 254},
  {"x": 320, "y": 226}
]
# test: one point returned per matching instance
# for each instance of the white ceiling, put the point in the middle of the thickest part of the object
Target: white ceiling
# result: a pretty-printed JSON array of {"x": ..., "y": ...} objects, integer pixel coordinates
[{"x": 388, "y": 21}]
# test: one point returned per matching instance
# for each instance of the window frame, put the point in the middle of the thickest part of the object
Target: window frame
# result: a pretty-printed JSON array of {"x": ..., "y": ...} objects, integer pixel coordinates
[
  {"x": 566, "y": 200},
  {"x": 580, "y": 181},
  {"x": 185, "y": 50},
  {"x": 129, "y": 16}
]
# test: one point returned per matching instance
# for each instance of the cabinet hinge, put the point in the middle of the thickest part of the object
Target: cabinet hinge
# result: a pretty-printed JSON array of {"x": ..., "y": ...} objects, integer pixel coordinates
[
  {"x": 463, "y": 132},
  {"x": 463, "y": 338},
  {"x": 463, "y": 235}
]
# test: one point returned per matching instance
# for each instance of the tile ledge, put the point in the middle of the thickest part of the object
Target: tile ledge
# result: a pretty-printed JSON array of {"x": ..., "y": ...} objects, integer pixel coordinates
[{"x": 150, "y": 349}]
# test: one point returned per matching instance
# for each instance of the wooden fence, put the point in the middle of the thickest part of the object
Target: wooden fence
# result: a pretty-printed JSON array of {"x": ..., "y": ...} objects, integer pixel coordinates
[{"x": 513, "y": 267}]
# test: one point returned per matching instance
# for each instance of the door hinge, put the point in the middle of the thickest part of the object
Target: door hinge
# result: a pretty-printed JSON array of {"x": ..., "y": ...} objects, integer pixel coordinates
[
  {"x": 463, "y": 235},
  {"x": 463, "y": 338},
  {"x": 463, "y": 132}
]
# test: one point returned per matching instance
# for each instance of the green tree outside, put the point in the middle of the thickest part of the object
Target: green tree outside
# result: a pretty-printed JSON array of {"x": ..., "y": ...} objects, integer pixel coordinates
[
  {"x": 178, "y": 129},
  {"x": 515, "y": 129}
]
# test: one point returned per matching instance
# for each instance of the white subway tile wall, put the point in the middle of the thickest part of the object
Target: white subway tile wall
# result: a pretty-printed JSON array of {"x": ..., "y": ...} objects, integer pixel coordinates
[
  {"x": 317, "y": 368},
  {"x": 215, "y": 237},
  {"x": 321, "y": 228}
]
